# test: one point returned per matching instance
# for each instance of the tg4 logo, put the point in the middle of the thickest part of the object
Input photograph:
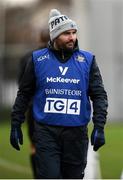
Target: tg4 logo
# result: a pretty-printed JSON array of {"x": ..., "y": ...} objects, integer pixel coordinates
[{"x": 62, "y": 105}]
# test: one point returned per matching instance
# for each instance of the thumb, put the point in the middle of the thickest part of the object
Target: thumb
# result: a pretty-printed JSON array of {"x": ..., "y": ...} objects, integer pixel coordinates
[{"x": 20, "y": 136}]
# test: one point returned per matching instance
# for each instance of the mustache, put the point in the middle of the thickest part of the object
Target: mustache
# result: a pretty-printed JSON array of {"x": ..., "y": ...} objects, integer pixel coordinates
[{"x": 71, "y": 41}]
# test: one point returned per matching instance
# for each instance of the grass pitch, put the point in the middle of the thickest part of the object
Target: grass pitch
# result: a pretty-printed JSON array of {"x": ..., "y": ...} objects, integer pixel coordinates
[{"x": 16, "y": 164}]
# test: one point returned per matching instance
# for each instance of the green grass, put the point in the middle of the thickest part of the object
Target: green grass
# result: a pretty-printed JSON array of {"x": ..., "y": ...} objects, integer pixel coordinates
[
  {"x": 111, "y": 156},
  {"x": 13, "y": 164},
  {"x": 16, "y": 164}
]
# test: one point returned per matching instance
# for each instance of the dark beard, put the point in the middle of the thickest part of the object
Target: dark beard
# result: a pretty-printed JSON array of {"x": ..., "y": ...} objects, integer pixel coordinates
[
  {"x": 67, "y": 49},
  {"x": 67, "y": 52}
]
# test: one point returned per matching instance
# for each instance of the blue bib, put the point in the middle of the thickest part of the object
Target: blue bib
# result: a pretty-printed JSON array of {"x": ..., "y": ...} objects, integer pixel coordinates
[{"x": 61, "y": 96}]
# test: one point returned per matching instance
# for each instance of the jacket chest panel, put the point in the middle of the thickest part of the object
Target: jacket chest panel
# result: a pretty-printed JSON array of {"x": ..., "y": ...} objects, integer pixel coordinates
[{"x": 57, "y": 74}]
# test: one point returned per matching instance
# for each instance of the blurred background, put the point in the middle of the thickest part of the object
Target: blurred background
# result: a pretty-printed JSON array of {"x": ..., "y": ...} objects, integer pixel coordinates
[{"x": 100, "y": 31}]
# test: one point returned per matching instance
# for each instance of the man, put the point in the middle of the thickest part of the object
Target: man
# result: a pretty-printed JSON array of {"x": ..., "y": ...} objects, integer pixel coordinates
[{"x": 62, "y": 79}]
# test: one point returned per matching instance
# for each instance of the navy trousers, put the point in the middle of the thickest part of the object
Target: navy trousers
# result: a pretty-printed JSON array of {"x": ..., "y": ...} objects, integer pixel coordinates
[{"x": 61, "y": 152}]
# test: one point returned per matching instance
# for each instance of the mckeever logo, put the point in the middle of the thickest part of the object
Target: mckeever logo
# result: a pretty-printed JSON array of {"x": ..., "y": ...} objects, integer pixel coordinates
[
  {"x": 62, "y": 80},
  {"x": 63, "y": 70}
]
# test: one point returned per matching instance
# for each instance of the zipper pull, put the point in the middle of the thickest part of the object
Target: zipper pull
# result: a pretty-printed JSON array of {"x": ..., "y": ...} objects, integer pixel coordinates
[{"x": 62, "y": 54}]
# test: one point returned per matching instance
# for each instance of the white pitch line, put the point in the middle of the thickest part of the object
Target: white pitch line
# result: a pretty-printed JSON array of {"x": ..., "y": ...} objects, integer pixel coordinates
[
  {"x": 14, "y": 167},
  {"x": 121, "y": 177},
  {"x": 92, "y": 170}
]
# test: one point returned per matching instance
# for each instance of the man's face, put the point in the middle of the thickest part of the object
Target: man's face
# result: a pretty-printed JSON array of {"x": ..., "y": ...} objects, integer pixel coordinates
[{"x": 66, "y": 40}]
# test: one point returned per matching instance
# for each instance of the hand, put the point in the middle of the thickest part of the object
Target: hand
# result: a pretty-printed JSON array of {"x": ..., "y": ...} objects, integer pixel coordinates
[
  {"x": 16, "y": 136},
  {"x": 97, "y": 138}
]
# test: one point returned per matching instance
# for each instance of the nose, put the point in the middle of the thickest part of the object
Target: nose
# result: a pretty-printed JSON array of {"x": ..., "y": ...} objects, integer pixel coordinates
[{"x": 71, "y": 36}]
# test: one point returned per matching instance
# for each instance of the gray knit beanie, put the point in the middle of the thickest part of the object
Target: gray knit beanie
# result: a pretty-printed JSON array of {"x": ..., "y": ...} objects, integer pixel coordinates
[{"x": 58, "y": 23}]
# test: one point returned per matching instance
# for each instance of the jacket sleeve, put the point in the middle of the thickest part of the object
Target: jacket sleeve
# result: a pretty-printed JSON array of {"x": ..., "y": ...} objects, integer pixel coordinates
[
  {"x": 25, "y": 93},
  {"x": 22, "y": 66},
  {"x": 98, "y": 96}
]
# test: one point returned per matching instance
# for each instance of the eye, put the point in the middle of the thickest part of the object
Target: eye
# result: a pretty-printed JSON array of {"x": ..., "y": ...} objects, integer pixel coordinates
[
  {"x": 66, "y": 33},
  {"x": 74, "y": 32}
]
